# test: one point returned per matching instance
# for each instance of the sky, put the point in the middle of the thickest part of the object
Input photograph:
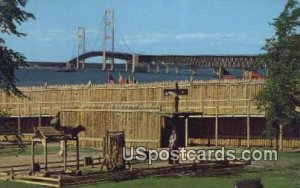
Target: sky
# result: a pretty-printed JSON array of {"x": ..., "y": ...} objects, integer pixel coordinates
[{"x": 189, "y": 27}]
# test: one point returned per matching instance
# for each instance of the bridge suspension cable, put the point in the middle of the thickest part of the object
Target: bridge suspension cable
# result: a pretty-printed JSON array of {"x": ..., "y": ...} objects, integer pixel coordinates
[
  {"x": 122, "y": 38},
  {"x": 98, "y": 35},
  {"x": 73, "y": 52}
]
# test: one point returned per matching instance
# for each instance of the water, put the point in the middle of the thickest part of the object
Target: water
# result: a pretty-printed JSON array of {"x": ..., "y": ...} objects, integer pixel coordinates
[{"x": 38, "y": 76}]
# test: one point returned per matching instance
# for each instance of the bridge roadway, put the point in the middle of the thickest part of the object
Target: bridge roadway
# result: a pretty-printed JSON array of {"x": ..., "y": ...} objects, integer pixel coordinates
[{"x": 226, "y": 61}]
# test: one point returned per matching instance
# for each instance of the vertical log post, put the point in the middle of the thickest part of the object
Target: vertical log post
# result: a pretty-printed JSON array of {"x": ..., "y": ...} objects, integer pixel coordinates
[
  {"x": 32, "y": 155},
  {"x": 248, "y": 130},
  {"x": 40, "y": 115},
  {"x": 19, "y": 118},
  {"x": 216, "y": 130},
  {"x": 12, "y": 174},
  {"x": 59, "y": 181},
  {"x": 216, "y": 120},
  {"x": 46, "y": 155},
  {"x": 77, "y": 153},
  {"x": 186, "y": 131},
  {"x": 19, "y": 124},
  {"x": 248, "y": 124},
  {"x": 65, "y": 153},
  {"x": 280, "y": 137}
]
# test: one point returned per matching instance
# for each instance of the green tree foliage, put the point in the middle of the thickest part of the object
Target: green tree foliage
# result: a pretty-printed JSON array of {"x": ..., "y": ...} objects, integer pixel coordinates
[
  {"x": 11, "y": 15},
  {"x": 280, "y": 96}
]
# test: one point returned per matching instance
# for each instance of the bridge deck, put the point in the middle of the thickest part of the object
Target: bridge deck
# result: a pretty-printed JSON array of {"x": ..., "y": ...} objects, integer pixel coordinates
[{"x": 226, "y": 61}]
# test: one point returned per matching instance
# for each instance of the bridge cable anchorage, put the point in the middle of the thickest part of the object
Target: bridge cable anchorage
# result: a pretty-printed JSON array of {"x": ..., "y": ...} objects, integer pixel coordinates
[{"x": 123, "y": 39}]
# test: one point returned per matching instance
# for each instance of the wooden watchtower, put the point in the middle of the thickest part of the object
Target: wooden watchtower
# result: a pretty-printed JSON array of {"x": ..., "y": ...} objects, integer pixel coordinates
[{"x": 46, "y": 135}]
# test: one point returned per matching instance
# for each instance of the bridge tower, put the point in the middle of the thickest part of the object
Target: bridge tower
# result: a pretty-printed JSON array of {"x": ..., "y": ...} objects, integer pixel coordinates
[
  {"x": 108, "y": 37},
  {"x": 80, "y": 47}
]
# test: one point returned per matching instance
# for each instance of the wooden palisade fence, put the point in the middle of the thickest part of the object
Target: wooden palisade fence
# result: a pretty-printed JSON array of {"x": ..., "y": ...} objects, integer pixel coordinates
[{"x": 135, "y": 108}]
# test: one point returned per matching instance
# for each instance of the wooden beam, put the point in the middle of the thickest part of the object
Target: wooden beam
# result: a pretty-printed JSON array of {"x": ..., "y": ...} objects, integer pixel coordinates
[{"x": 36, "y": 183}]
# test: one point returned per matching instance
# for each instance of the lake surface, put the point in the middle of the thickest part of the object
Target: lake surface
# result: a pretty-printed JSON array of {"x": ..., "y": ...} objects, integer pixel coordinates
[{"x": 39, "y": 76}]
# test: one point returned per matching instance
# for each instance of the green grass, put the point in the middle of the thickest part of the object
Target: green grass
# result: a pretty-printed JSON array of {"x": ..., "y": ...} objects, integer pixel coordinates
[
  {"x": 283, "y": 173},
  {"x": 191, "y": 182},
  {"x": 9, "y": 184}
]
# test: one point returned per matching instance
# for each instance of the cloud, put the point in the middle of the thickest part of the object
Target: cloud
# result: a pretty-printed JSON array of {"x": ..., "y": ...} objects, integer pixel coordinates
[
  {"x": 92, "y": 32},
  {"x": 52, "y": 34},
  {"x": 201, "y": 36},
  {"x": 156, "y": 38},
  {"x": 147, "y": 38}
]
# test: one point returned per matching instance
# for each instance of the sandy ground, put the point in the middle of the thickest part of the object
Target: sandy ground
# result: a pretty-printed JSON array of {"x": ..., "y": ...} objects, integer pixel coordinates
[{"x": 11, "y": 160}]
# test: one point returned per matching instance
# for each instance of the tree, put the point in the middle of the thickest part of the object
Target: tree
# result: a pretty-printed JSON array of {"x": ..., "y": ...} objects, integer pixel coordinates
[
  {"x": 11, "y": 15},
  {"x": 280, "y": 96}
]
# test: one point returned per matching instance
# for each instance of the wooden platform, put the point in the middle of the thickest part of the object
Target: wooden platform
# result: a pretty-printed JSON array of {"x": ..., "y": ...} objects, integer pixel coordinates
[{"x": 59, "y": 179}]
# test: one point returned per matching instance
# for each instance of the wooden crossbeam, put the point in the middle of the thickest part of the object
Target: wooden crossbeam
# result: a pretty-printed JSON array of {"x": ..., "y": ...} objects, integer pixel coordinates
[{"x": 49, "y": 131}]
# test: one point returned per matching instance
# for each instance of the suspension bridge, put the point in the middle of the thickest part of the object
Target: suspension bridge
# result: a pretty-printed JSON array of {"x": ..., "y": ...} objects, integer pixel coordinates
[{"x": 133, "y": 60}]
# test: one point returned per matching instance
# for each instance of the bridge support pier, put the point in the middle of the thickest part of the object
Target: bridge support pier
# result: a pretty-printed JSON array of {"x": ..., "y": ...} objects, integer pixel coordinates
[
  {"x": 82, "y": 64},
  {"x": 220, "y": 73},
  {"x": 177, "y": 70},
  {"x": 148, "y": 68},
  {"x": 157, "y": 68},
  {"x": 167, "y": 69},
  {"x": 126, "y": 65},
  {"x": 68, "y": 65},
  {"x": 112, "y": 67},
  {"x": 246, "y": 74},
  {"x": 193, "y": 71},
  {"x": 104, "y": 65},
  {"x": 135, "y": 62}
]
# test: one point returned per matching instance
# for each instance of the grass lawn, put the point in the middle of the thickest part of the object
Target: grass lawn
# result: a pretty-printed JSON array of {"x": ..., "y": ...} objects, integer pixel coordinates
[
  {"x": 8, "y": 184},
  {"x": 281, "y": 174}
]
